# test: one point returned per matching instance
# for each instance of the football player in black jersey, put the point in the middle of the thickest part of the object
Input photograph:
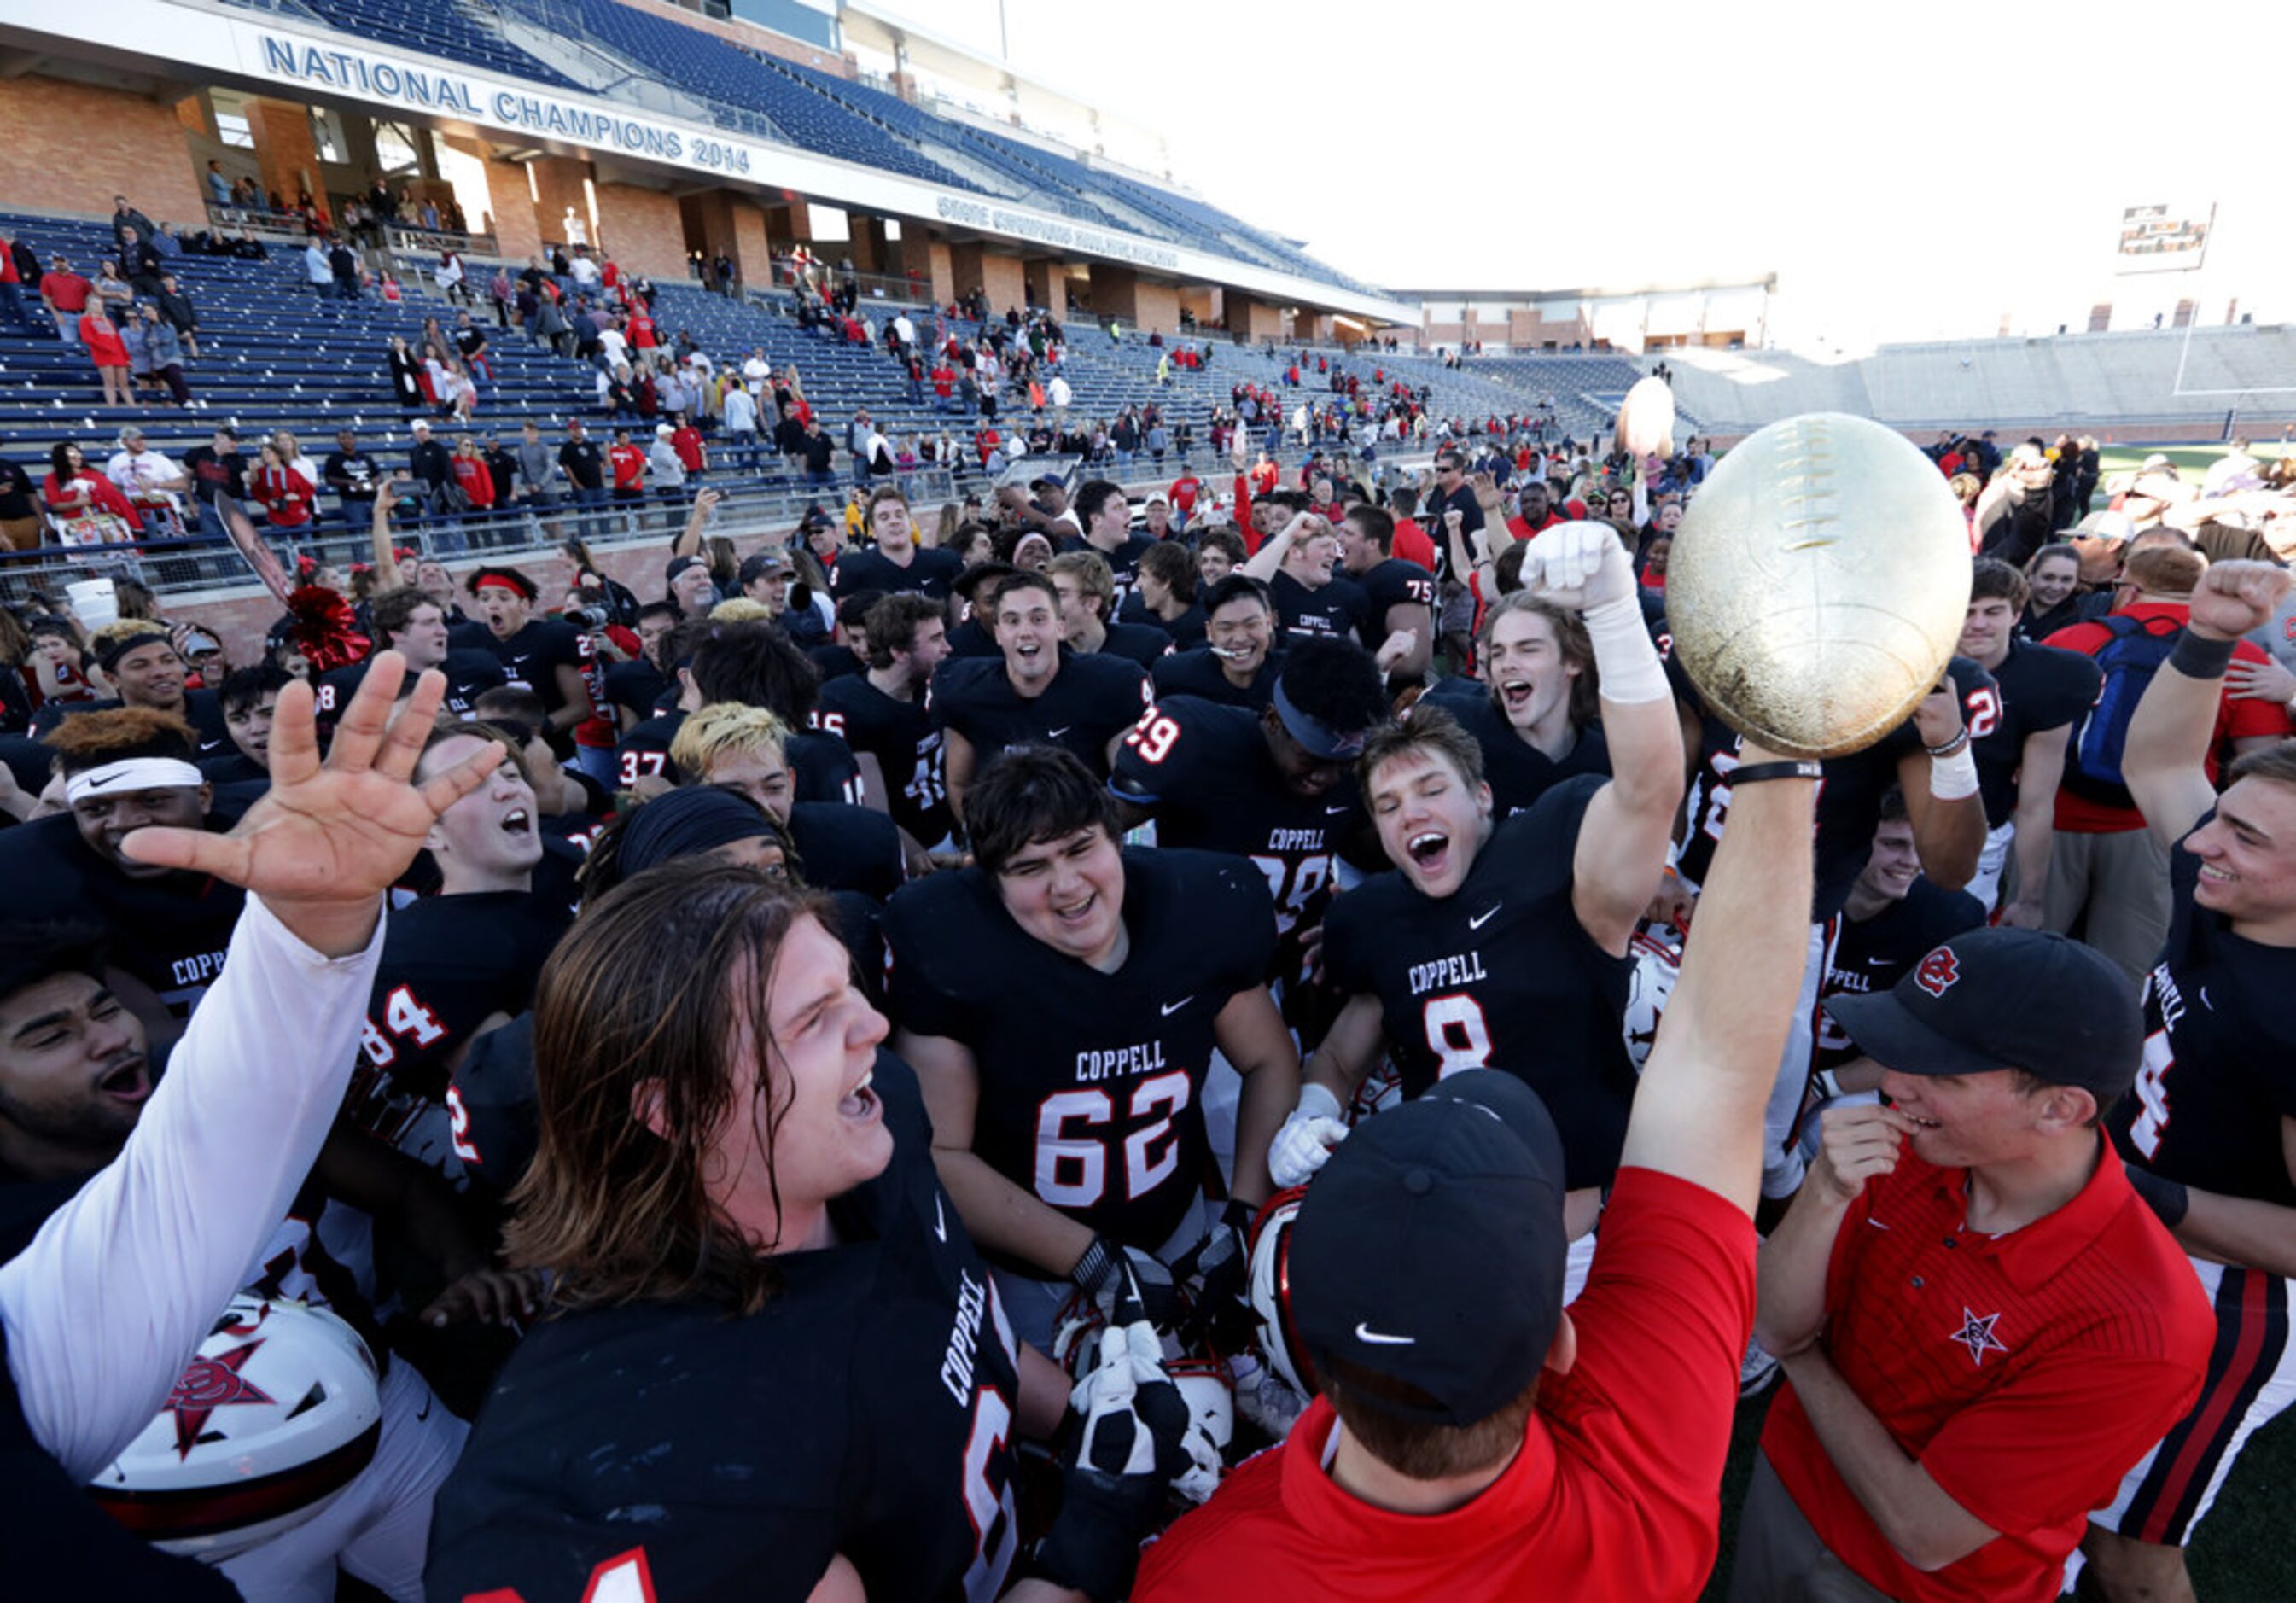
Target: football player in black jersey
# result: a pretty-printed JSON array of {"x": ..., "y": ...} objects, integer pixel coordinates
[
  {"x": 1277, "y": 788},
  {"x": 2020, "y": 737},
  {"x": 845, "y": 848},
  {"x": 1402, "y": 595},
  {"x": 249, "y": 696},
  {"x": 412, "y": 624},
  {"x": 1106, "y": 517},
  {"x": 124, "y": 769},
  {"x": 735, "y": 1195},
  {"x": 1537, "y": 710},
  {"x": 1037, "y": 690},
  {"x": 1070, "y": 1131},
  {"x": 1297, "y": 564},
  {"x": 459, "y": 963},
  {"x": 1505, "y": 946},
  {"x": 880, "y": 715},
  {"x": 2209, "y": 1131},
  {"x": 1164, "y": 595},
  {"x": 896, "y": 562},
  {"x": 546, "y": 655},
  {"x": 1087, "y": 598},
  {"x": 142, "y": 668},
  {"x": 1239, "y": 661},
  {"x": 1893, "y": 919}
]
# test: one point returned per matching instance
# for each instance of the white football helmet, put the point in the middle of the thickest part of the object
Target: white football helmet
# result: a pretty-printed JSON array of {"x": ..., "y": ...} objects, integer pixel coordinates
[
  {"x": 1269, "y": 1289},
  {"x": 1657, "y": 955},
  {"x": 275, "y": 1414}
]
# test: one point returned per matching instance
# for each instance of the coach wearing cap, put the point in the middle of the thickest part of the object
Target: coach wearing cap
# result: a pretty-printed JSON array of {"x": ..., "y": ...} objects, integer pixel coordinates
[
  {"x": 1472, "y": 1439},
  {"x": 1981, "y": 1325}
]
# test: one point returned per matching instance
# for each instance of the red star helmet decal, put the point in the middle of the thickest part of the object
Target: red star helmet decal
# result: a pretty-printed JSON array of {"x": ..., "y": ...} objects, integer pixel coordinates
[
  {"x": 1937, "y": 971},
  {"x": 207, "y": 1384}
]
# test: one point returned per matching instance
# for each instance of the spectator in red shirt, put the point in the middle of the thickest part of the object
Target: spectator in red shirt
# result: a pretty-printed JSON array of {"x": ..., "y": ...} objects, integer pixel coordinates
[
  {"x": 2107, "y": 865},
  {"x": 1184, "y": 492},
  {"x": 1982, "y": 1325},
  {"x": 285, "y": 494},
  {"x": 685, "y": 440},
  {"x": 1473, "y": 1439},
  {"x": 1411, "y": 541},
  {"x": 73, "y": 489},
  {"x": 641, "y": 329},
  {"x": 109, "y": 352},
  {"x": 65, "y": 293},
  {"x": 11, "y": 286},
  {"x": 1532, "y": 513},
  {"x": 475, "y": 479},
  {"x": 629, "y": 465}
]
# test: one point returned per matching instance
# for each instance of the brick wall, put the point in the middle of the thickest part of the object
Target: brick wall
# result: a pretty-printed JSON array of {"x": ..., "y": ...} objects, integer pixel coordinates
[
  {"x": 642, "y": 231},
  {"x": 71, "y": 147}
]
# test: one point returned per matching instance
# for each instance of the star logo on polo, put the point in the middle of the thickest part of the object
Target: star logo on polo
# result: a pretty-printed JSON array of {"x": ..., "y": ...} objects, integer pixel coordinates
[
  {"x": 207, "y": 1384},
  {"x": 1976, "y": 1333}
]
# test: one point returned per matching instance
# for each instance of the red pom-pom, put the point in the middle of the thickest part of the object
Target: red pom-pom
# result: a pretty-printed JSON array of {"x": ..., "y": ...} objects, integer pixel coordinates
[{"x": 325, "y": 631}]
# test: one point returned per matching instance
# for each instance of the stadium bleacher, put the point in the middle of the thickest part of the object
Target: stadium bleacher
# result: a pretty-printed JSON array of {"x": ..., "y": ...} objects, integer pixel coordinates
[{"x": 441, "y": 28}]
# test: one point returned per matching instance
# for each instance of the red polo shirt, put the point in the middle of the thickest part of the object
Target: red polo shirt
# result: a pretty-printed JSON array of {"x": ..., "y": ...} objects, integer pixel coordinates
[
  {"x": 629, "y": 464},
  {"x": 2025, "y": 1372},
  {"x": 1612, "y": 1494},
  {"x": 1412, "y": 543},
  {"x": 2236, "y": 718}
]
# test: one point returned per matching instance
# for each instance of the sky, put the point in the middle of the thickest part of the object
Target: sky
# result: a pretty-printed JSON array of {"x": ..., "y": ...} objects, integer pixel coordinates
[{"x": 1902, "y": 182}]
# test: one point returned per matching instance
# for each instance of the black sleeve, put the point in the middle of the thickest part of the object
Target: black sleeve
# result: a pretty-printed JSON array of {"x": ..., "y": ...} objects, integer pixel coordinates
[
  {"x": 2067, "y": 691},
  {"x": 923, "y": 993},
  {"x": 1348, "y": 937}
]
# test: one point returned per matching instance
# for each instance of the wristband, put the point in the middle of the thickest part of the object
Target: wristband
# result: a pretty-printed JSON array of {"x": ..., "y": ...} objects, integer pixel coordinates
[
  {"x": 2169, "y": 1199},
  {"x": 1951, "y": 779},
  {"x": 1951, "y": 748},
  {"x": 1755, "y": 772},
  {"x": 1093, "y": 1267},
  {"x": 1626, "y": 660},
  {"x": 2199, "y": 659}
]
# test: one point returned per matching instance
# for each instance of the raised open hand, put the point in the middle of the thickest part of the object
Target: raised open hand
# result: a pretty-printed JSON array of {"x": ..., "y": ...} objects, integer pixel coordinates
[{"x": 327, "y": 839}]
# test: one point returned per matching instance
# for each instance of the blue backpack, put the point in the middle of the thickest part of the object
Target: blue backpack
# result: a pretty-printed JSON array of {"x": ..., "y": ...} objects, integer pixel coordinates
[{"x": 2129, "y": 660}]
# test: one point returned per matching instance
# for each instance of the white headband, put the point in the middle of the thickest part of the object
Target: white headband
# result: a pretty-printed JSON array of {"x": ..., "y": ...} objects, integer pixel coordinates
[{"x": 132, "y": 773}]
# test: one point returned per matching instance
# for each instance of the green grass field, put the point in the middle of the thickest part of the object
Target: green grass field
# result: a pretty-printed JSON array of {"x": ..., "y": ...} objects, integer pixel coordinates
[{"x": 2242, "y": 1555}]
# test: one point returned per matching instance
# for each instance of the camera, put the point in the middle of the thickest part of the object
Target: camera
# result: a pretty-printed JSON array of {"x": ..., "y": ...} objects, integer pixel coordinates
[{"x": 592, "y": 618}]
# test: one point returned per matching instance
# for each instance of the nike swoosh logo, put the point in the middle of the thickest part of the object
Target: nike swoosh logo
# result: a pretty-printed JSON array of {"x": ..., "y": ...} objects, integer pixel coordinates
[
  {"x": 96, "y": 784},
  {"x": 940, "y": 1222},
  {"x": 1172, "y": 1007},
  {"x": 425, "y": 1412},
  {"x": 1334, "y": 812},
  {"x": 1485, "y": 916},
  {"x": 1056, "y": 734},
  {"x": 1365, "y": 1333}
]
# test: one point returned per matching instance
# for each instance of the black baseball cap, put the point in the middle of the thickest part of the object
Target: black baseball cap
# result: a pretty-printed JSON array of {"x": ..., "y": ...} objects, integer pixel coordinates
[
  {"x": 679, "y": 564},
  {"x": 1431, "y": 1247},
  {"x": 2004, "y": 998},
  {"x": 771, "y": 560}
]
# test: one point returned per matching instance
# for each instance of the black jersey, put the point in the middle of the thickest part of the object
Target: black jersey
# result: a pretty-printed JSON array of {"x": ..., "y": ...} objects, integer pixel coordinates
[
  {"x": 1393, "y": 583},
  {"x": 469, "y": 674},
  {"x": 202, "y": 709},
  {"x": 2036, "y": 688},
  {"x": 1873, "y": 954},
  {"x": 865, "y": 1410},
  {"x": 234, "y": 768},
  {"x": 170, "y": 930},
  {"x": 449, "y": 964},
  {"x": 1501, "y": 975},
  {"x": 1848, "y": 797},
  {"x": 1091, "y": 1095},
  {"x": 1206, "y": 773},
  {"x": 1198, "y": 673},
  {"x": 1138, "y": 643},
  {"x": 834, "y": 661},
  {"x": 1093, "y": 699},
  {"x": 821, "y": 766},
  {"x": 531, "y": 657},
  {"x": 635, "y": 687},
  {"x": 848, "y": 848},
  {"x": 1123, "y": 563},
  {"x": 1519, "y": 772},
  {"x": 974, "y": 638},
  {"x": 930, "y": 572},
  {"x": 901, "y": 736},
  {"x": 1338, "y": 609},
  {"x": 1186, "y": 632},
  {"x": 2219, "y": 1068}
]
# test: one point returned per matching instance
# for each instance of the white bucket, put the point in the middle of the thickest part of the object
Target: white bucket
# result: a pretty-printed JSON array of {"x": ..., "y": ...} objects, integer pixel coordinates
[{"x": 93, "y": 602}]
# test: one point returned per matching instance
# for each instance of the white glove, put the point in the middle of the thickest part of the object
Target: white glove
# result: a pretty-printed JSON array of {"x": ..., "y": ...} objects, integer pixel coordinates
[
  {"x": 1577, "y": 565},
  {"x": 1307, "y": 1138}
]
